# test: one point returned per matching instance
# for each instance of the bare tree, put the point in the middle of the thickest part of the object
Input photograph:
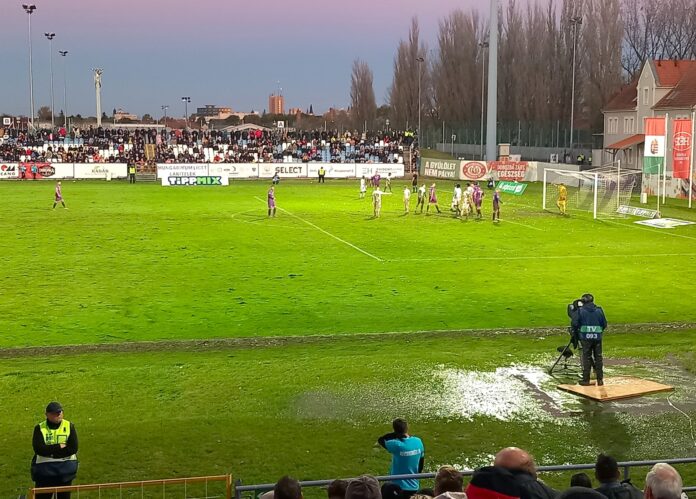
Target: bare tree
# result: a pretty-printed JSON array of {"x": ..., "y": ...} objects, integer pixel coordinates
[
  {"x": 456, "y": 72},
  {"x": 403, "y": 93},
  {"x": 362, "y": 95}
]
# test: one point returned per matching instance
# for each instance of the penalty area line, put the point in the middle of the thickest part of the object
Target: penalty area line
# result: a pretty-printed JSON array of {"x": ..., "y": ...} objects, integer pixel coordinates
[
  {"x": 648, "y": 229},
  {"x": 521, "y": 224},
  {"x": 327, "y": 233}
]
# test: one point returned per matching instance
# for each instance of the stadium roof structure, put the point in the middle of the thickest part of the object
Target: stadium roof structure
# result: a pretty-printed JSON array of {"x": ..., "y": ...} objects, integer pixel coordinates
[
  {"x": 245, "y": 127},
  {"x": 631, "y": 141}
]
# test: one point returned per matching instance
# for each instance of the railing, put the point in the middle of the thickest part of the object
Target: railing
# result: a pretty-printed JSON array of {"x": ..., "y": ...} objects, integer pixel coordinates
[
  {"x": 626, "y": 466},
  {"x": 132, "y": 487}
]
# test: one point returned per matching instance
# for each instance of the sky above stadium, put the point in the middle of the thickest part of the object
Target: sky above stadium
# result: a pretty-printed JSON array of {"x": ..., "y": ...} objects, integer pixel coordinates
[{"x": 228, "y": 53}]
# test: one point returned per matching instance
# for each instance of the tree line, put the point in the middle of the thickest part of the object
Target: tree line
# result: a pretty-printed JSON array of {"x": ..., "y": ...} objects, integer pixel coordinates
[{"x": 612, "y": 39}]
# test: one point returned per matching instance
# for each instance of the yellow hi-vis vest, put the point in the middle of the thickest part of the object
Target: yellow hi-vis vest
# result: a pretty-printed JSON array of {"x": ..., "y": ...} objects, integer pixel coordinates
[{"x": 52, "y": 437}]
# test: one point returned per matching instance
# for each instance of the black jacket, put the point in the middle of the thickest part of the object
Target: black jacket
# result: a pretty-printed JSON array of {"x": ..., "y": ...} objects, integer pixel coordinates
[
  {"x": 617, "y": 490},
  {"x": 589, "y": 315},
  {"x": 533, "y": 488},
  {"x": 54, "y": 451}
]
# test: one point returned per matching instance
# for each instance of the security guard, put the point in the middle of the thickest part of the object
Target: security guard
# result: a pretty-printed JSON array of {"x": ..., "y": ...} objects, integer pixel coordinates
[
  {"x": 131, "y": 172},
  {"x": 322, "y": 174},
  {"x": 591, "y": 323},
  {"x": 55, "y": 452}
]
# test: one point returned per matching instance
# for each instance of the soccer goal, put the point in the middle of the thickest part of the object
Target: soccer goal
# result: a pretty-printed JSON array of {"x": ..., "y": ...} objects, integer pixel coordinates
[{"x": 600, "y": 191}]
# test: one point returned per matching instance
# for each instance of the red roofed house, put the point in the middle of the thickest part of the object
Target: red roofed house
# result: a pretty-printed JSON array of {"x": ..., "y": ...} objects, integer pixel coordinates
[{"x": 663, "y": 87}]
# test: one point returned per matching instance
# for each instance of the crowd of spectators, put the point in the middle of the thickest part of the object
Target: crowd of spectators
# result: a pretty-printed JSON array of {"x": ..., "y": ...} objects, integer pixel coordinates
[
  {"x": 122, "y": 145},
  {"x": 513, "y": 475}
]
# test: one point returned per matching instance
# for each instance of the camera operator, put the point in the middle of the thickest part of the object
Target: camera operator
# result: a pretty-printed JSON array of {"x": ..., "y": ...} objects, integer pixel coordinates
[
  {"x": 573, "y": 311},
  {"x": 591, "y": 323}
]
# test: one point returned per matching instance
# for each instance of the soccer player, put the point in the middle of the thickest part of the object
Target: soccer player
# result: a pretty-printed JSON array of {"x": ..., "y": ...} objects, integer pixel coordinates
[
  {"x": 59, "y": 196},
  {"x": 407, "y": 200},
  {"x": 375, "y": 180},
  {"x": 271, "y": 202},
  {"x": 432, "y": 199},
  {"x": 496, "y": 205},
  {"x": 457, "y": 200},
  {"x": 467, "y": 201},
  {"x": 421, "y": 198},
  {"x": 478, "y": 200},
  {"x": 377, "y": 202},
  {"x": 363, "y": 187},
  {"x": 387, "y": 183},
  {"x": 562, "y": 198}
]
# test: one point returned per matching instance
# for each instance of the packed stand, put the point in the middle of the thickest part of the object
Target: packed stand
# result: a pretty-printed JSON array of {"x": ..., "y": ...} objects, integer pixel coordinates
[{"x": 119, "y": 145}]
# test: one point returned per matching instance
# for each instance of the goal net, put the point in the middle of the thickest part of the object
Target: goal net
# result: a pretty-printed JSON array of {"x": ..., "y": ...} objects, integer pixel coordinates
[{"x": 599, "y": 191}]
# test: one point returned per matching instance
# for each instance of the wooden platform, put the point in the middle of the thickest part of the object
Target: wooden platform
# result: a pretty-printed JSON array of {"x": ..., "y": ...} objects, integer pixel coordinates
[{"x": 619, "y": 387}]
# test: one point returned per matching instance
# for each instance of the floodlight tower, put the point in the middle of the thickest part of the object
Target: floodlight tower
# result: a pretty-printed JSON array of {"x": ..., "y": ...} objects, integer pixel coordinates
[
  {"x": 492, "y": 114},
  {"x": 50, "y": 37},
  {"x": 64, "y": 53},
  {"x": 29, "y": 9},
  {"x": 97, "y": 87}
]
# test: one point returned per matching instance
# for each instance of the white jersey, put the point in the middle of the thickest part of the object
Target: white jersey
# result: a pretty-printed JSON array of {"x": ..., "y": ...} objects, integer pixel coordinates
[
  {"x": 363, "y": 185},
  {"x": 458, "y": 193},
  {"x": 421, "y": 192},
  {"x": 377, "y": 197},
  {"x": 407, "y": 194}
]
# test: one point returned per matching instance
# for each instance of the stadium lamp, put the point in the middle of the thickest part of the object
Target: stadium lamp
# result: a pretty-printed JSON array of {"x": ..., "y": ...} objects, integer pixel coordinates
[{"x": 186, "y": 101}]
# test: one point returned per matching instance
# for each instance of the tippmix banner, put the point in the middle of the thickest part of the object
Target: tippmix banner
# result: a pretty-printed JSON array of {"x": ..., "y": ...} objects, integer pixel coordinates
[
  {"x": 681, "y": 148},
  {"x": 654, "y": 153}
]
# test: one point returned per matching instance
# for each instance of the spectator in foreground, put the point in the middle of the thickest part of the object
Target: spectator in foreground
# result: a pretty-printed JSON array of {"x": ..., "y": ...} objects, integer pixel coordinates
[
  {"x": 663, "y": 482},
  {"x": 493, "y": 482},
  {"x": 337, "y": 489},
  {"x": 578, "y": 492},
  {"x": 581, "y": 480},
  {"x": 522, "y": 466},
  {"x": 608, "y": 475},
  {"x": 287, "y": 488},
  {"x": 449, "y": 484},
  {"x": 408, "y": 455},
  {"x": 364, "y": 487}
]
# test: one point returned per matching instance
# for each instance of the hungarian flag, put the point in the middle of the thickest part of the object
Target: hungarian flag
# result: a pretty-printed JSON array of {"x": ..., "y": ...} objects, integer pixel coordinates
[
  {"x": 681, "y": 146},
  {"x": 654, "y": 154}
]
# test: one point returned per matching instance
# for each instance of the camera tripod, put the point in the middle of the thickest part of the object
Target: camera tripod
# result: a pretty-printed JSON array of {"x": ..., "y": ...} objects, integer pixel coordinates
[{"x": 565, "y": 354}]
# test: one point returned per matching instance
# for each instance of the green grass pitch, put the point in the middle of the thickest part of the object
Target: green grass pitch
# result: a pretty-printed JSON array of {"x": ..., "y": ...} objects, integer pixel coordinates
[{"x": 147, "y": 263}]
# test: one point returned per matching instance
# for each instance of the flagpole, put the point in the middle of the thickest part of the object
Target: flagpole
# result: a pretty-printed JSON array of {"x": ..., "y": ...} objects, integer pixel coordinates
[{"x": 691, "y": 159}]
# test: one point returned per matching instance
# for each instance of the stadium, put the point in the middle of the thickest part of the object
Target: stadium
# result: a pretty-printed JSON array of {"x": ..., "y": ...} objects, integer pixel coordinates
[{"x": 216, "y": 304}]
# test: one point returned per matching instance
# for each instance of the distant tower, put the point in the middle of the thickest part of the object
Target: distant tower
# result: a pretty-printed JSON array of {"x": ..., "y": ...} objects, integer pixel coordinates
[{"x": 97, "y": 87}]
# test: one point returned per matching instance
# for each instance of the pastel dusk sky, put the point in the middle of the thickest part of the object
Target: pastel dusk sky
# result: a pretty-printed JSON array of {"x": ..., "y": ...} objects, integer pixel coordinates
[{"x": 223, "y": 52}]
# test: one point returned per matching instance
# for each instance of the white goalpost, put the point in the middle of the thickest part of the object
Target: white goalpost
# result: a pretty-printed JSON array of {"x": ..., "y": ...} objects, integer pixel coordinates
[{"x": 600, "y": 191}]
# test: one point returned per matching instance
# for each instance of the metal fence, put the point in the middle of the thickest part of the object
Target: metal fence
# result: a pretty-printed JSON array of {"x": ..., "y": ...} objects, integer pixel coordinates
[{"x": 245, "y": 491}]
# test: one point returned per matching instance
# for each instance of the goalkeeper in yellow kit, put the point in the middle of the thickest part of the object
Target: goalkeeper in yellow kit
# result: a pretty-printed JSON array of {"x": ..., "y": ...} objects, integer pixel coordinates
[{"x": 562, "y": 198}]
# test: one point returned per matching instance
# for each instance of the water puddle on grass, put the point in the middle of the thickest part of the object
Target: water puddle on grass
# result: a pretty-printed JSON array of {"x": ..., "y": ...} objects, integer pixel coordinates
[{"x": 521, "y": 393}]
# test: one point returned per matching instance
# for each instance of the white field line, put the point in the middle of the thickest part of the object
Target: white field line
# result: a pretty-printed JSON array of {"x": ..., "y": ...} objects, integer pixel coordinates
[
  {"x": 654, "y": 231},
  {"x": 328, "y": 233},
  {"x": 535, "y": 257},
  {"x": 505, "y": 220}
]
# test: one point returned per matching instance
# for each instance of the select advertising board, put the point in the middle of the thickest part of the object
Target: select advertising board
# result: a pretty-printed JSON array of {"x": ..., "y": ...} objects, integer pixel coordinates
[
  {"x": 439, "y": 168},
  {"x": 195, "y": 181},
  {"x": 181, "y": 169},
  {"x": 234, "y": 170},
  {"x": 9, "y": 171},
  {"x": 100, "y": 170},
  {"x": 284, "y": 170},
  {"x": 333, "y": 170},
  {"x": 473, "y": 170}
]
